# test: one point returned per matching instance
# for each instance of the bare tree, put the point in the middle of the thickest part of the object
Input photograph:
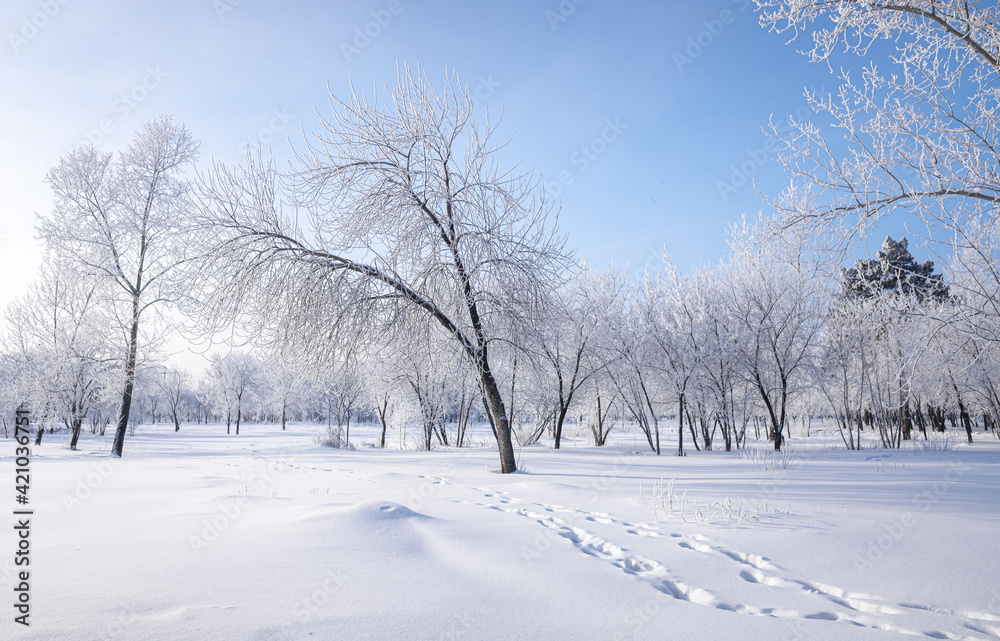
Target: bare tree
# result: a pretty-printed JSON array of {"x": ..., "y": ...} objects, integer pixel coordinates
[
  {"x": 121, "y": 220},
  {"x": 284, "y": 378},
  {"x": 58, "y": 342},
  {"x": 173, "y": 384},
  {"x": 244, "y": 376},
  {"x": 776, "y": 293},
  {"x": 568, "y": 339},
  {"x": 673, "y": 315},
  {"x": 635, "y": 375},
  {"x": 231, "y": 380},
  {"x": 407, "y": 218}
]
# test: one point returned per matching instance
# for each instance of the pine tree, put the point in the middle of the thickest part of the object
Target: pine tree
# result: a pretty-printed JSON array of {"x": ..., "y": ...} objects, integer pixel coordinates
[{"x": 893, "y": 271}]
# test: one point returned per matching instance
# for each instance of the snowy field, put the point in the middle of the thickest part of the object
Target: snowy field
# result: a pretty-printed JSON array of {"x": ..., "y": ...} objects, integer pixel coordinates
[{"x": 199, "y": 535}]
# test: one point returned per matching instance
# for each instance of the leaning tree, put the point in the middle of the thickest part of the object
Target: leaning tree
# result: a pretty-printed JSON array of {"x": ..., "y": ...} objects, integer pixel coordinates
[{"x": 396, "y": 213}]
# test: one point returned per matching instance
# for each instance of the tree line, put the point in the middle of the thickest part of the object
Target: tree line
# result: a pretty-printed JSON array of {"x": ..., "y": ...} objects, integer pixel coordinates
[{"x": 400, "y": 269}]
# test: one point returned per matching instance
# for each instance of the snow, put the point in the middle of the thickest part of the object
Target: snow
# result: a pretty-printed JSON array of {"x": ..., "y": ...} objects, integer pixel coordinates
[{"x": 267, "y": 535}]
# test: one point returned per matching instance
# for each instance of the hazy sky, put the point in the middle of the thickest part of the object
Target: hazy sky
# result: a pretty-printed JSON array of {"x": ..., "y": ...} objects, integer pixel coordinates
[{"x": 636, "y": 112}]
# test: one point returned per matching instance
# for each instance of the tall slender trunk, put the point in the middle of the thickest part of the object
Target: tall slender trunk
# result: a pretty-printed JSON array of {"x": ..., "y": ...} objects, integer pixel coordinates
[
  {"x": 599, "y": 436},
  {"x": 680, "y": 428},
  {"x": 126, "y": 406},
  {"x": 381, "y": 417}
]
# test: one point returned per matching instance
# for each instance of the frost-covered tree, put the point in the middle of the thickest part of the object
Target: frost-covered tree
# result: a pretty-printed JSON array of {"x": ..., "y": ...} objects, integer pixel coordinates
[
  {"x": 567, "y": 342},
  {"x": 284, "y": 378},
  {"x": 407, "y": 217},
  {"x": 608, "y": 296},
  {"x": 232, "y": 381},
  {"x": 842, "y": 371},
  {"x": 891, "y": 293},
  {"x": 383, "y": 385},
  {"x": 638, "y": 381},
  {"x": 674, "y": 316},
  {"x": 59, "y": 345},
  {"x": 775, "y": 290},
  {"x": 173, "y": 386},
  {"x": 893, "y": 271},
  {"x": 914, "y": 137},
  {"x": 121, "y": 219},
  {"x": 342, "y": 387},
  {"x": 721, "y": 383}
]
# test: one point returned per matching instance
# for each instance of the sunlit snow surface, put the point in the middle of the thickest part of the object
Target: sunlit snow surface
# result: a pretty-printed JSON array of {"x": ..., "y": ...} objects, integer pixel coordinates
[{"x": 200, "y": 535}]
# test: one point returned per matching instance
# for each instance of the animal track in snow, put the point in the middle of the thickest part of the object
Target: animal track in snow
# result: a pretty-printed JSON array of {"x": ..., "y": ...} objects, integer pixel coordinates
[{"x": 858, "y": 609}]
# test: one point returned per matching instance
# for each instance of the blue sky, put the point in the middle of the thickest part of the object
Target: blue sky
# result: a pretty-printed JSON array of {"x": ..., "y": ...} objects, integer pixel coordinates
[{"x": 594, "y": 93}]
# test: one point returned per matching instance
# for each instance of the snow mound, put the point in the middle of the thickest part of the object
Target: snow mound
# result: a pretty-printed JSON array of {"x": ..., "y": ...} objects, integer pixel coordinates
[{"x": 377, "y": 511}]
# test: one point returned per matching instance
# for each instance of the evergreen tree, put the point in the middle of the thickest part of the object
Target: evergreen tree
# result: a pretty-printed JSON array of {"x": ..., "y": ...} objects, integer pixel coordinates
[{"x": 893, "y": 271}]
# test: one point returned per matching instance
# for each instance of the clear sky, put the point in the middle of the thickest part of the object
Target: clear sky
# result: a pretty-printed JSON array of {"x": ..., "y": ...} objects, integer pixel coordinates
[{"x": 643, "y": 109}]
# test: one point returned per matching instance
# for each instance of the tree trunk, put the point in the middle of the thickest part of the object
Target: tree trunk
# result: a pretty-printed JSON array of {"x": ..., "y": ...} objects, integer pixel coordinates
[
  {"x": 680, "y": 428},
  {"x": 77, "y": 424},
  {"x": 126, "y": 406},
  {"x": 560, "y": 417},
  {"x": 965, "y": 419},
  {"x": 907, "y": 421},
  {"x": 599, "y": 436},
  {"x": 489, "y": 417},
  {"x": 501, "y": 426}
]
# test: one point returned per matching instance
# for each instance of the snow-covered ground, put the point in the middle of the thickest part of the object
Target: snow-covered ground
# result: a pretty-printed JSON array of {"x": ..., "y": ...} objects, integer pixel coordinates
[{"x": 200, "y": 535}]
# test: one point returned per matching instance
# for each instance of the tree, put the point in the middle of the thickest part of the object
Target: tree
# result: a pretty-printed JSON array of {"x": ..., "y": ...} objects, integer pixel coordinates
[
  {"x": 284, "y": 378},
  {"x": 894, "y": 270},
  {"x": 343, "y": 387},
  {"x": 58, "y": 342},
  {"x": 173, "y": 384},
  {"x": 843, "y": 369},
  {"x": 634, "y": 373},
  {"x": 243, "y": 376},
  {"x": 721, "y": 381},
  {"x": 896, "y": 282},
  {"x": 232, "y": 379},
  {"x": 919, "y": 141},
  {"x": 410, "y": 220},
  {"x": 567, "y": 339},
  {"x": 121, "y": 220},
  {"x": 775, "y": 291},
  {"x": 674, "y": 314}
]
